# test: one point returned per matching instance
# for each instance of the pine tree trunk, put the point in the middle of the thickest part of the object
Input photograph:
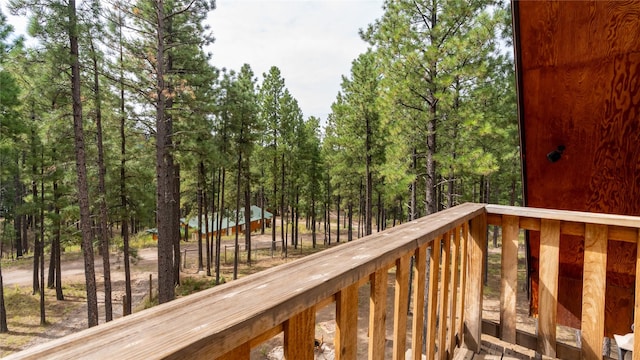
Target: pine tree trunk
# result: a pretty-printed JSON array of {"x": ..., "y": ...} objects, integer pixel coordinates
[
  {"x": 17, "y": 222},
  {"x": 369, "y": 182},
  {"x": 36, "y": 242},
  {"x": 284, "y": 244},
  {"x": 274, "y": 203},
  {"x": 219, "y": 219},
  {"x": 81, "y": 168},
  {"x": 262, "y": 205},
  {"x": 360, "y": 209},
  {"x": 237, "y": 228},
  {"x": 313, "y": 221},
  {"x": 430, "y": 185},
  {"x": 350, "y": 222},
  {"x": 214, "y": 211},
  {"x": 164, "y": 169},
  {"x": 3, "y": 310},
  {"x": 247, "y": 217},
  {"x": 206, "y": 225},
  {"x": 43, "y": 318},
  {"x": 123, "y": 191},
  {"x": 55, "y": 251},
  {"x": 175, "y": 226},
  {"x": 102, "y": 192},
  {"x": 297, "y": 220},
  {"x": 51, "y": 275},
  {"x": 199, "y": 197},
  {"x": 338, "y": 220}
]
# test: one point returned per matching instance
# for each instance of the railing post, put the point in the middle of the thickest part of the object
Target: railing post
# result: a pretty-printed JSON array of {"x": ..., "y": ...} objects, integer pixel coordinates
[
  {"x": 477, "y": 240},
  {"x": 593, "y": 290},
  {"x": 346, "y": 338},
  {"x": 455, "y": 275},
  {"x": 548, "y": 286},
  {"x": 377, "y": 314},
  {"x": 419, "y": 279},
  {"x": 400, "y": 306},
  {"x": 509, "y": 283},
  {"x": 432, "y": 297},
  {"x": 299, "y": 333},
  {"x": 443, "y": 299}
]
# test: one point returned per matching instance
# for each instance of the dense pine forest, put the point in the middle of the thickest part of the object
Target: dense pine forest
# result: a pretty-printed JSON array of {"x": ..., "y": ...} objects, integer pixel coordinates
[{"x": 116, "y": 119}]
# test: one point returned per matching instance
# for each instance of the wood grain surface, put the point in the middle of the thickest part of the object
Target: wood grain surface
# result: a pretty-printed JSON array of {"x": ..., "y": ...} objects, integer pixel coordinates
[{"x": 580, "y": 84}]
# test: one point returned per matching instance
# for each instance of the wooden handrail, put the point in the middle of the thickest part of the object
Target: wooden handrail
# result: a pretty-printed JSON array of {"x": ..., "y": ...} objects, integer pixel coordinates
[
  {"x": 565, "y": 215},
  {"x": 224, "y": 321}
]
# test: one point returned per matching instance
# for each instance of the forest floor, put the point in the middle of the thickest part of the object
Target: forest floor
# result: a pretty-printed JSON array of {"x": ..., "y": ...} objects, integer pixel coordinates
[{"x": 74, "y": 317}]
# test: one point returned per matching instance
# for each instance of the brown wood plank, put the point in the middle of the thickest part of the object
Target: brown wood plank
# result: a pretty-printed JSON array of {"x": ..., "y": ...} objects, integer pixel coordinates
[
  {"x": 377, "y": 314},
  {"x": 548, "y": 300},
  {"x": 299, "y": 335},
  {"x": 419, "y": 279},
  {"x": 346, "y": 338},
  {"x": 464, "y": 260},
  {"x": 266, "y": 336},
  {"x": 455, "y": 274},
  {"x": 530, "y": 341},
  {"x": 529, "y": 223},
  {"x": 400, "y": 307},
  {"x": 619, "y": 233},
  {"x": 509, "y": 281},
  {"x": 445, "y": 283},
  {"x": 241, "y": 352},
  {"x": 594, "y": 285},
  {"x": 494, "y": 219},
  {"x": 432, "y": 298},
  {"x": 623, "y": 234},
  {"x": 473, "y": 296},
  {"x": 564, "y": 215}
]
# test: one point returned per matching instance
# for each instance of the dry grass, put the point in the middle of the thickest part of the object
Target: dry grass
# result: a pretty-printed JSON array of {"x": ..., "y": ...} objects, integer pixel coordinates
[{"x": 24, "y": 322}]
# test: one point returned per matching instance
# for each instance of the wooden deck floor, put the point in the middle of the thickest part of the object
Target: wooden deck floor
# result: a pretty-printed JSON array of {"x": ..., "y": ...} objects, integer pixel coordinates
[{"x": 495, "y": 349}]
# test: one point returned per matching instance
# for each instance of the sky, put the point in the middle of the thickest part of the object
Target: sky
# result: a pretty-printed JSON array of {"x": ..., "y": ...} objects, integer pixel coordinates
[{"x": 312, "y": 42}]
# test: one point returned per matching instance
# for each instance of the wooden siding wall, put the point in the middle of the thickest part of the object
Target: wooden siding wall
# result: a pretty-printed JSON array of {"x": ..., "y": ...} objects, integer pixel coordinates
[{"x": 579, "y": 83}]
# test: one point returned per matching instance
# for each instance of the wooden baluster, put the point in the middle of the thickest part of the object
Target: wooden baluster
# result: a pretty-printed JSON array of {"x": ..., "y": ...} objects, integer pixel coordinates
[
  {"x": 346, "y": 338},
  {"x": 432, "y": 305},
  {"x": 455, "y": 274},
  {"x": 636, "y": 317},
  {"x": 593, "y": 290},
  {"x": 464, "y": 258},
  {"x": 444, "y": 297},
  {"x": 400, "y": 307},
  {"x": 377, "y": 314},
  {"x": 473, "y": 294},
  {"x": 299, "y": 335},
  {"x": 419, "y": 279},
  {"x": 548, "y": 286},
  {"x": 509, "y": 282}
]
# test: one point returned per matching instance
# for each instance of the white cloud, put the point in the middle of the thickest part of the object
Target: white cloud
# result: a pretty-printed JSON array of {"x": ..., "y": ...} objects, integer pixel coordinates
[{"x": 312, "y": 42}]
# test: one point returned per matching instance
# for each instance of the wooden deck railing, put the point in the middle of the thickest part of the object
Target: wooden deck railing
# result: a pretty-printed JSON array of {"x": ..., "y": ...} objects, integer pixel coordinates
[
  {"x": 597, "y": 230},
  {"x": 226, "y": 322}
]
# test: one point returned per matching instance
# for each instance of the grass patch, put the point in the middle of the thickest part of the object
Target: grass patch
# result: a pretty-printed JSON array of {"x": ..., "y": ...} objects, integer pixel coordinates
[
  {"x": 190, "y": 285},
  {"x": 23, "y": 310}
]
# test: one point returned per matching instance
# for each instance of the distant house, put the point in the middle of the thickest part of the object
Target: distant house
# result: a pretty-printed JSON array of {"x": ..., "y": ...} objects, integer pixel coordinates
[
  {"x": 154, "y": 233},
  {"x": 229, "y": 226}
]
